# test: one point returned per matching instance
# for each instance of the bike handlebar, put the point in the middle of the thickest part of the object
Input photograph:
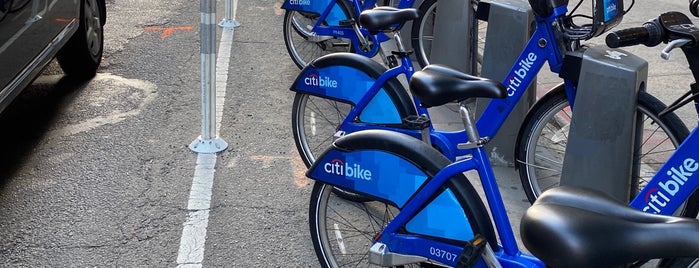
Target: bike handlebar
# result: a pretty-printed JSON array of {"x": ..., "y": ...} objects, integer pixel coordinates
[
  {"x": 650, "y": 34},
  {"x": 666, "y": 28}
]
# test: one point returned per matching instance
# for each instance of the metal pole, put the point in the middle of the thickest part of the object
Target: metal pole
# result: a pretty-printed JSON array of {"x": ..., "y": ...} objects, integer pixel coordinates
[
  {"x": 228, "y": 21},
  {"x": 208, "y": 142}
]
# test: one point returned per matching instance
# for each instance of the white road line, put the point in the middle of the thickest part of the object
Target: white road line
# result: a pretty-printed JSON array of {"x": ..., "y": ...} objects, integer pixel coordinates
[{"x": 193, "y": 240}]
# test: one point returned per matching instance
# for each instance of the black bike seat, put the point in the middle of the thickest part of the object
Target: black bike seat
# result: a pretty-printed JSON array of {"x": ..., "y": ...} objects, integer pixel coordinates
[
  {"x": 679, "y": 24},
  {"x": 382, "y": 18},
  {"x": 437, "y": 84},
  {"x": 576, "y": 227}
]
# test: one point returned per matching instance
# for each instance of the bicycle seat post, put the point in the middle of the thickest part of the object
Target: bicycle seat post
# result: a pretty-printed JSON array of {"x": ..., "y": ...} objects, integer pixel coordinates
[
  {"x": 474, "y": 139},
  {"x": 362, "y": 39},
  {"x": 399, "y": 42}
]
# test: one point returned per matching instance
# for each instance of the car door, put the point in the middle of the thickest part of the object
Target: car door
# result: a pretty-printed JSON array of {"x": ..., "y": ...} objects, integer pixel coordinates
[{"x": 27, "y": 29}]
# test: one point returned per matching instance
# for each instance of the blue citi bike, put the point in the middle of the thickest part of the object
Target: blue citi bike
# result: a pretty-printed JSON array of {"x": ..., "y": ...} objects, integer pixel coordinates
[
  {"x": 424, "y": 212},
  {"x": 342, "y": 93},
  {"x": 316, "y": 28}
]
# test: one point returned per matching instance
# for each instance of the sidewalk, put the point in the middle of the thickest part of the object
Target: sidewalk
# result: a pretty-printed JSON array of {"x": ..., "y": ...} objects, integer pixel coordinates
[{"x": 269, "y": 226}]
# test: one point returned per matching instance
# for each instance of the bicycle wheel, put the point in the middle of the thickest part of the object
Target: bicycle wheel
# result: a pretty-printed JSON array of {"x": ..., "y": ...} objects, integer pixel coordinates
[
  {"x": 343, "y": 230},
  {"x": 303, "y": 45},
  {"x": 422, "y": 33},
  {"x": 544, "y": 134},
  {"x": 315, "y": 121}
]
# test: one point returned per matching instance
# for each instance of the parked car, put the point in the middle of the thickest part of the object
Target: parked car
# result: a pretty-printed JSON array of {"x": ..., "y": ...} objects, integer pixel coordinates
[{"x": 34, "y": 32}]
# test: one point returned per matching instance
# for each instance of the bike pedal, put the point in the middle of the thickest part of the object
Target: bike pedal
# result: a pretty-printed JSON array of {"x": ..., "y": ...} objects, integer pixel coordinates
[
  {"x": 392, "y": 61},
  {"x": 472, "y": 251},
  {"x": 416, "y": 122}
]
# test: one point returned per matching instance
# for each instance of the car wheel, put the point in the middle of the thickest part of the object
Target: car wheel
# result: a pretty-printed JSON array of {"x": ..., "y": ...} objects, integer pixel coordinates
[{"x": 81, "y": 56}]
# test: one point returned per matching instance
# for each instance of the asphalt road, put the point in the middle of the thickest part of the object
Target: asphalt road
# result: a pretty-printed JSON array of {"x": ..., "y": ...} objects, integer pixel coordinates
[{"x": 99, "y": 173}]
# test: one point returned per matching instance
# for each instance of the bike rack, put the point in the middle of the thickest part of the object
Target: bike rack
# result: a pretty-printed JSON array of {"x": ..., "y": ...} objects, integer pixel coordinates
[
  {"x": 510, "y": 24},
  {"x": 450, "y": 37},
  {"x": 599, "y": 153}
]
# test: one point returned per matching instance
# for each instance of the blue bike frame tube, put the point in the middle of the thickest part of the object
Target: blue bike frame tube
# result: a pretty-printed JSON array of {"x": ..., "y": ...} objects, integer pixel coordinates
[
  {"x": 541, "y": 48},
  {"x": 448, "y": 253},
  {"x": 495, "y": 202},
  {"x": 443, "y": 139},
  {"x": 369, "y": 4},
  {"x": 428, "y": 191},
  {"x": 373, "y": 90},
  {"x": 674, "y": 182},
  {"x": 347, "y": 32},
  {"x": 405, "y": 3}
]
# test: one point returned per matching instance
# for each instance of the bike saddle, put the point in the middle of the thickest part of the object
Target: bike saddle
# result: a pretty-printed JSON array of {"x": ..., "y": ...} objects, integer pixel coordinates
[
  {"x": 382, "y": 18},
  {"x": 676, "y": 23},
  {"x": 576, "y": 227},
  {"x": 437, "y": 84}
]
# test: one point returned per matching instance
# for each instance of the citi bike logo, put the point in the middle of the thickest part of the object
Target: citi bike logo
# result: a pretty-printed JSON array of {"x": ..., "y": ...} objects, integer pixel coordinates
[
  {"x": 313, "y": 79},
  {"x": 515, "y": 80},
  {"x": 300, "y": 2},
  {"x": 659, "y": 197},
  {"x": 355, "y": 171}
]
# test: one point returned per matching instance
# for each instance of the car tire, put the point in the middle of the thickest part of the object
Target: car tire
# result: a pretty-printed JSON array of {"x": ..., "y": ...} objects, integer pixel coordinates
[{"x": 82, "y": 55}]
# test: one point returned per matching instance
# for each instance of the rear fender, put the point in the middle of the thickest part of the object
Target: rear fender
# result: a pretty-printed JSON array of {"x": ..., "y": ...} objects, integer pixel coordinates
[
  {"x": 337, "y": 13},
  {"x": 347, "y": 77},
  {"x": 391, "y": 167}
]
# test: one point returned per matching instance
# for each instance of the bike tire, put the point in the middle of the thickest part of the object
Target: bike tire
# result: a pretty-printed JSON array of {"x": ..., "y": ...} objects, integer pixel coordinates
[
  {"x": 297, "y": 33},
  {"x": 325, "y": 115},
  {"x": 672, "y": 127},
  {"x": 422, "y": 34},
  {"x": 680, "y": 263},
  {"x": 315, "y": 119},
  {"x": 358, "y": 223},
  {"x": 543, "y": 136}
]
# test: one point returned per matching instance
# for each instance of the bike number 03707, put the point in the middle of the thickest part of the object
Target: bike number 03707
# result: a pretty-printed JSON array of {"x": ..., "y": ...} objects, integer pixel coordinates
[{"x": 442, "y": 254}]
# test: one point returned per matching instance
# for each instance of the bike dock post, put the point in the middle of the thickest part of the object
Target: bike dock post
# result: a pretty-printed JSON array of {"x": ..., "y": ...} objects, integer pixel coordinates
[
  {"x": 600, "y": 149},
  {"x": 451, "y": 41},
  {"x": 509, "y": 28},
  {"x": 510, "y": 24}
]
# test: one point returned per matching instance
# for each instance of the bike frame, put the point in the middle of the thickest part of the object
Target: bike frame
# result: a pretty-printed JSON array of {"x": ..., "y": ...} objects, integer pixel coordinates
[
  {"x": 668, "y": 189},
  {"x": 509, "y": 255},
  {"x": 520, "y": 76},
  {"x": 542, "y": 47},
  {"x": 342, "y": 31},
  {"x": 664, "y": 194},
  {"x": 675, "y": 181}
]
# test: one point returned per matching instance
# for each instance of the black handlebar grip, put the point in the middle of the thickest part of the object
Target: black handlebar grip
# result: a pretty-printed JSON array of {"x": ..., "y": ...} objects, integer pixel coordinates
[
  {"x": 627, "y": 37},
  {"x": 694, "y": 7},
  {"x": 650, "y": 34}
]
